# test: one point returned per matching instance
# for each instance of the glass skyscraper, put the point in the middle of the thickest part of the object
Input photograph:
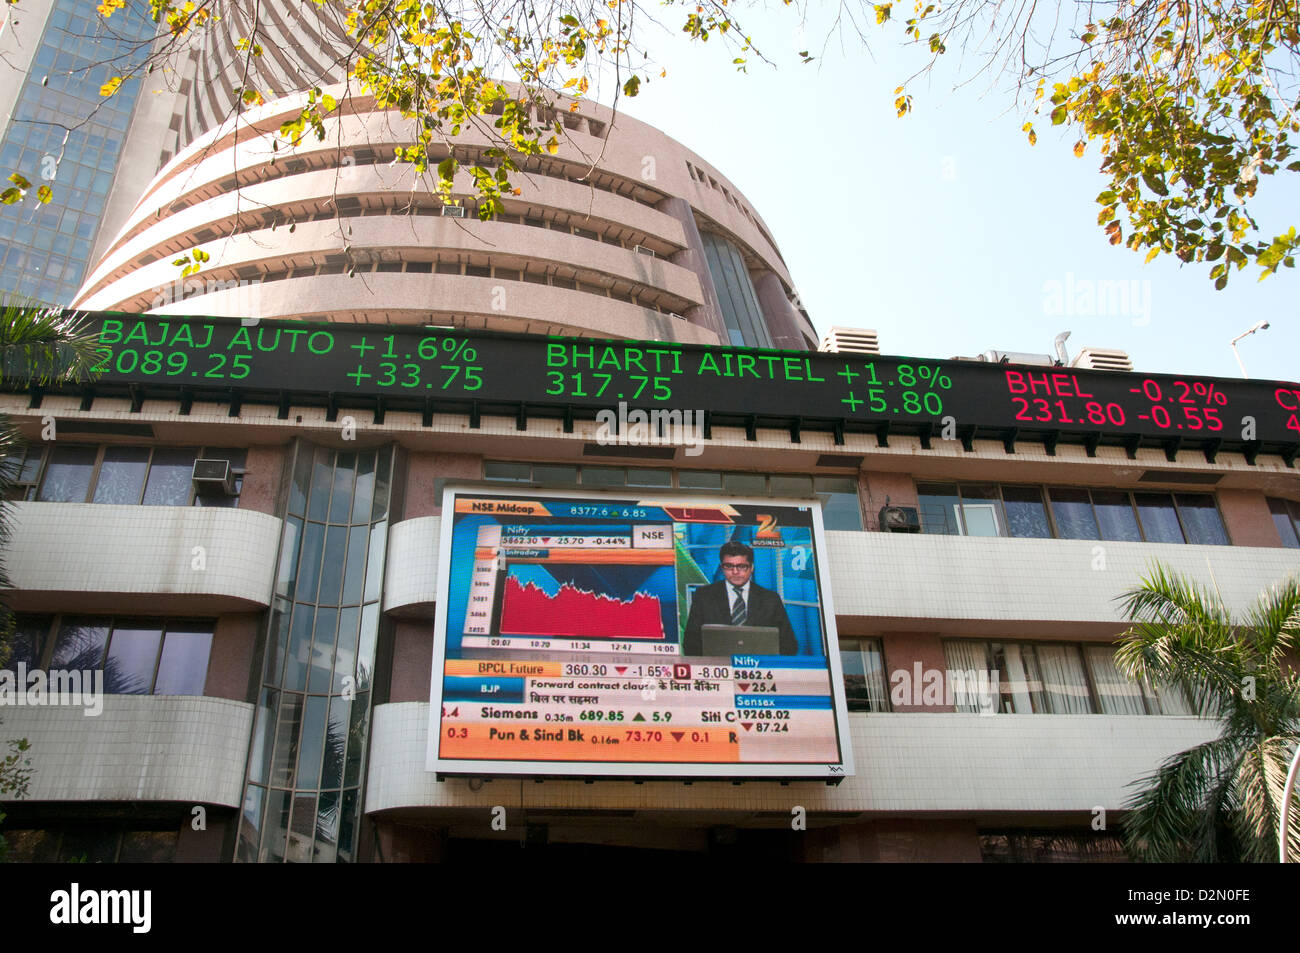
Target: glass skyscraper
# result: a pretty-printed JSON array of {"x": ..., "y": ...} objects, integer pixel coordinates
[{"x": 64, "y": 134}]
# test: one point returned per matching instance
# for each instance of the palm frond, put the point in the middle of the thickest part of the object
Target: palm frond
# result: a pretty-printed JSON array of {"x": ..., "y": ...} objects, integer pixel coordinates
[
  {"x": 1166, "y": 818},
  {"x": 1275, "y": 619},
  {"x": 43, "y": 345},
  {"x": 1220, "y": 800},
  {"x": 1260, "y": 780},
  {"x": 1182, "y": 634}
]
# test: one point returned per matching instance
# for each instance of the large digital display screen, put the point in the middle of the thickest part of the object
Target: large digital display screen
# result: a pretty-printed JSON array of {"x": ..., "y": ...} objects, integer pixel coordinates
[
  {"x": 452, "y": 370},
  {"x": 626, "y": 635}
]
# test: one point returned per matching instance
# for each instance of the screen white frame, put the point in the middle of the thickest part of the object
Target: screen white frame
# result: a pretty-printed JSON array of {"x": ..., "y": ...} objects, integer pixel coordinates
[{"x": 658, "y": 770}]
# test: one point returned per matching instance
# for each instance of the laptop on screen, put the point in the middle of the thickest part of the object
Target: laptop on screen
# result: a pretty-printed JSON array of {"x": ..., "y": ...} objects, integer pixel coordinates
[{"x": 722, "y": 640}]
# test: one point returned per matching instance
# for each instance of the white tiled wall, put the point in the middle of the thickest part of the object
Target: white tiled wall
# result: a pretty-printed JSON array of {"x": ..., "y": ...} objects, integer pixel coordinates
[
  {"x": 92, "y": 547},
  {"x": 412, "y": 567},
  {"x": 1055, "y": 580},
  {"x": 139, "y": 748},
  {"x": 904, "y": 762},
  {"x": 896, "y": 575}
]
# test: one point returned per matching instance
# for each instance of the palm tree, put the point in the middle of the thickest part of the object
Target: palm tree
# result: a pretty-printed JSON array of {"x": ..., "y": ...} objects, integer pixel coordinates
[
  {"x": 43, "y": 346},
  {"x": 1218, "y": 801},
  {"x": 38, "y": 345}
]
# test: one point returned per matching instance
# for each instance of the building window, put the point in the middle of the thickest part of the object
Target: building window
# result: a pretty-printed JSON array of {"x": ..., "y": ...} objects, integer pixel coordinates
[
  {"x": 137, "y": 656},
  {"x": 741, "y": 312},
  {"x": 1056, "y": 678},
  {"x": 105, "y": 842},
  {"x": 1051, "y": 847},
  {"x": 863, "y": 663},
  {"x": 152, "y": 476},
  {"x": 841, "y": 509},
  {"x": 984, "y": 509},
  {"x": 1286, "y": 517}
]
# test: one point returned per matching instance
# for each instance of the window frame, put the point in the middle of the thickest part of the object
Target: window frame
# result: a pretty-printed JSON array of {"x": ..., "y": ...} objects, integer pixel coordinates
[
  {"x": 114, "y": 623},
  {"x": 854, "y": 643},
  {"x": 999, "y": 511},
  {"x": 674, "y": 483},
  {"x": 33, "y": 490},
  {"x": 1148, "y": 694}
]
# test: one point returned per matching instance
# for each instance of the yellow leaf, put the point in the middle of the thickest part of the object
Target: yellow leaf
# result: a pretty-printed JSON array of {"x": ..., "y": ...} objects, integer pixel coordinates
[
  {"x": 108, "y": 6},
  {"x": 111, "y": 87},
  {"x": 1155, "y": 251},
  {"x": 1079, "y": 147}
]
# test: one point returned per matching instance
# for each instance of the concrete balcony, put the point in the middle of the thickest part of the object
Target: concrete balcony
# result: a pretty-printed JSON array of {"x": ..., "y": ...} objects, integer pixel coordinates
[
  {"x": 138, "y": 748},
  {"x": 995, "y": 586},
  {"x": 155, "y": 559},
  {"x": 995, "y": 764}
]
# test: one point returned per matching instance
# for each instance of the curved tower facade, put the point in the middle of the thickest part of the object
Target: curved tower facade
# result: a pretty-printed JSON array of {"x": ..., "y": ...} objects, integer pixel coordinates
[{"x": 622, "y": 233}]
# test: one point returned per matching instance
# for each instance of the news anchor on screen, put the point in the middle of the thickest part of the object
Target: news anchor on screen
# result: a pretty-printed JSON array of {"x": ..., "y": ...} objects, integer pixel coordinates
[{"x": 737, "y": 600}]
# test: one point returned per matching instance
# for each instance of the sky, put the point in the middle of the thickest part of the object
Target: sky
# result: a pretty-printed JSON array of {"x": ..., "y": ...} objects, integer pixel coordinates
[{"x": 945, "y": 230}]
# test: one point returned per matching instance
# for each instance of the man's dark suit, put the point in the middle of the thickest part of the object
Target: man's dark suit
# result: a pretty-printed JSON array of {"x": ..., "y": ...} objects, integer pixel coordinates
[{"x": 711, "y": 605}]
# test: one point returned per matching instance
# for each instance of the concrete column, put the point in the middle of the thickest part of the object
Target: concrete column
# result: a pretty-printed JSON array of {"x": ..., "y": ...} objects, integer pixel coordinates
[
  {"x": 423, "y": 468},
  {"x": 230, "y": 666},
  {"x": 903, "y": 652},
  {"x": 263, "y": 468},
  {"x": 708, "y": 314},
  {"x": 1247, "y": 518},
  {"x": 412, "y": 662},
  {"x": 780, "y": 315}
]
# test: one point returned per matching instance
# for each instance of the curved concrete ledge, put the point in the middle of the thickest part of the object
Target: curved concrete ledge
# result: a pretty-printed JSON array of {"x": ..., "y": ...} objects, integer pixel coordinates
[
  {"x": 139, "y": 748},
  {"x": 320, "y": 186},
  {"x": 411, "y": 582},
  {"x": 398, "y": 238},
  {"x": 105, "y": 558},
  {"x": 898, "y": 576},
  {"x": 411, "y": 298},
  {"x": 904, "y": 762}
]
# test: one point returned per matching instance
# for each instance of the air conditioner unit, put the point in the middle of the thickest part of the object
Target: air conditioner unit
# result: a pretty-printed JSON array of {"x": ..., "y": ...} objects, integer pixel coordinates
[
  {"x": 453, "y": 211},
  {"x": 213, "y": 478},
  {"x": 642, "y": 250},
  {"x": 900, "y": 519}
]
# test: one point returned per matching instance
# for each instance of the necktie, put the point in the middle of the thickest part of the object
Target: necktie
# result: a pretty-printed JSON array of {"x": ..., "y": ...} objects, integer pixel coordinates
[{"x": 738, "y": 611}]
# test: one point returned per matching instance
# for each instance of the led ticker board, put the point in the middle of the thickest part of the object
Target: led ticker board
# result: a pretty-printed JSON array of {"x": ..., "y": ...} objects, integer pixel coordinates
[
  {"x": 586, "y": 636},
  {"x": 446, "y": 370}
]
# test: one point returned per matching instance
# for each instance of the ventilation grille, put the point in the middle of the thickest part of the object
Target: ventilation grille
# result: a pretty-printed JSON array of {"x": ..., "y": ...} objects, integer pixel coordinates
[
  {"x": 1103, "y": 359},
  {"x": 840, "y": 340}
]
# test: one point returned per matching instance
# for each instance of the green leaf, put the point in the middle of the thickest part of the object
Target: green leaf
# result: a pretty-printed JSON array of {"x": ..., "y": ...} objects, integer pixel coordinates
[
  {"x": 1155, "y": 183},
  {"x": 1058, "y": 115},
  {"x": 10, "y": 196},
  {"x": 632, "y": 86},
  {"x": 19, "y": 181}
]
